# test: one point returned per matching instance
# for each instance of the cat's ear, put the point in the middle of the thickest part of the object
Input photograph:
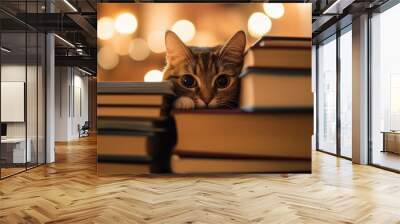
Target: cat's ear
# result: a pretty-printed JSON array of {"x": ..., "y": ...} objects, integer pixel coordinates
[
  {"x": 233, "y": 49},
  {"x": 176, "y": 50}
]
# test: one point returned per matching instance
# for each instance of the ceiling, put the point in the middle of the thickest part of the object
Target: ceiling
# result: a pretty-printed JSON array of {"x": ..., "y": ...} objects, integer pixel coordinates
[
  {"x": 74, "y": 22},
  {"x": 332, "y": 15}
]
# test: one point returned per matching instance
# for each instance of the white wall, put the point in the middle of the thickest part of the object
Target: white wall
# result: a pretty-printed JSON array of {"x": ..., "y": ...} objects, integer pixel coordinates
[
  {"x": 71, "y": 87},
  {"x": 62, "y": 82},
  {"x": 81, "y": 83},
  {"x": 12, "y": 73}
]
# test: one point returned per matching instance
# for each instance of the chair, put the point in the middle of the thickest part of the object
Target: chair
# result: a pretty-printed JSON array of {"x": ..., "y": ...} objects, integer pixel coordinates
[{"x": 84, "y": 130}]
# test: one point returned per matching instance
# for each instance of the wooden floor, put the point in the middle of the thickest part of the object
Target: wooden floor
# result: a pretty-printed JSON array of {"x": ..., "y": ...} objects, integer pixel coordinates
[
  {"x": 387, "y": 159},
  {"x": 5, "y": 172},
  {"x": 70, "y": 192}
]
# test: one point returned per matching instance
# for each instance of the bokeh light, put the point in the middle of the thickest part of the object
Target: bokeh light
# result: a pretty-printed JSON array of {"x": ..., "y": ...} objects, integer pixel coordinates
[
  {"x": 184, "y": 29},
  {"x": 259, "y": 24},
  {"x": 107, "y": 58},
  {"x": 206, "y": 39},
  {"x": 138, "y": 49},
  {"x": 105, "y": 28},
  {"x": 120, "y": 44},
  {"x": 156, "y": 41},
  {"x": 274, "y": 10},
  {"x": 126, "y": 23},
  {"x": 153, "y": 76}
]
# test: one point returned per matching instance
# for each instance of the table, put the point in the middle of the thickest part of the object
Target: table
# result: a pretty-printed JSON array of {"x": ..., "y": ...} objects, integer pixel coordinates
[
  {"x": 14, "y": 148},
  {"x": 391, "y": 141}
]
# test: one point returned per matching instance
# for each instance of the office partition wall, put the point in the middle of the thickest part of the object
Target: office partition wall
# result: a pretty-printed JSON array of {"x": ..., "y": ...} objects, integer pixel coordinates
[
  {"x": 385, "y": 89},
  {"x": 22, "y": 77},
  {"x": 13, "y": 145}
]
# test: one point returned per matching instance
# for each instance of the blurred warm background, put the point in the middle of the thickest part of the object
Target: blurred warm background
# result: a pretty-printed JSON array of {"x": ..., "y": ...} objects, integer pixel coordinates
[{"x": 131, "y": 36}]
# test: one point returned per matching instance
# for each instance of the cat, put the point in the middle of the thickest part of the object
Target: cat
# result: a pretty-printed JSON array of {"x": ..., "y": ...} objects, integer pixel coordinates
[{"x": 204, "y": 77}]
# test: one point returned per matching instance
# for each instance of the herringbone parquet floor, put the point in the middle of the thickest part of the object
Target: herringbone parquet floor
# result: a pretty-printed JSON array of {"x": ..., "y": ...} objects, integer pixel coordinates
[{"x": 70, "y": 192}]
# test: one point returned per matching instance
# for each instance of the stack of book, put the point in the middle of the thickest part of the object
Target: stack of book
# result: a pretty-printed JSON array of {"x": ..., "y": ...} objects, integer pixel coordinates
[
  {"x": 134, "y": 128},
  {"x": 277, "y": 74},
  {"x": 270, "y": 132}
]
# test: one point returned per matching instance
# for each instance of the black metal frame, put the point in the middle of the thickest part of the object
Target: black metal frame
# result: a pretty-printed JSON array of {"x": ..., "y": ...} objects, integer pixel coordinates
[
  {"x": 369, "y": 81},
  {"x": 44, "y": 71},
  {"x": 327, "y": 39},
  {"x": 339, "y": 32},
  {"x": 316, "y": 97},
  {"x": 338, "y": 98}
]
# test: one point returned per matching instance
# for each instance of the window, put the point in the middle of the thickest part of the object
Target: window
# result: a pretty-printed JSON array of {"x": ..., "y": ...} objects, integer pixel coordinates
[
  {"x": 327, "y": 96},
  {"x": 385, "y": 89},
  {"x": 346, "y": 93},
  {"x": 394, "y": 102}
]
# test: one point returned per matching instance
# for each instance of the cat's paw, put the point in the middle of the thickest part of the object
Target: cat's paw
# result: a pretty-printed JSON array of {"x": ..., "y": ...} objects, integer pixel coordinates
[{"x": 184, "y": 102}]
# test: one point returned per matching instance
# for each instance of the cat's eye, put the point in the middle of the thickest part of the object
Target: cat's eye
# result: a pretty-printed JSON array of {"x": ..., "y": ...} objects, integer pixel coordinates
[
  {"x": 222, "y": 82},
  {"x": 188, "y": 81}
]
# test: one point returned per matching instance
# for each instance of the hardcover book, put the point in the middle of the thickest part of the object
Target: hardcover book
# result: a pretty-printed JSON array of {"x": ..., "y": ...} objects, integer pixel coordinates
[
  {"x": 237, "y": 134},
  {"x": 185, "y": 165},
  {"x": 276, "y": 88},
  {"x": 280, "y": 52}
]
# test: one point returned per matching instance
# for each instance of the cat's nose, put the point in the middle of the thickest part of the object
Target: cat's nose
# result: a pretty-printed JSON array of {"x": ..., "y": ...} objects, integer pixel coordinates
[{"x": 206, "y": 99}]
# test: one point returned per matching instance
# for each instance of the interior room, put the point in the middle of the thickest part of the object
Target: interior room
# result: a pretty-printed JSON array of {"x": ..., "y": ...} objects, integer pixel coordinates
[
  {"x": 56, "y": 53},
  {"x": 22, "y": 98},
  {"x": 25, "y": 68},
  {"x": 385, "y": 91}
]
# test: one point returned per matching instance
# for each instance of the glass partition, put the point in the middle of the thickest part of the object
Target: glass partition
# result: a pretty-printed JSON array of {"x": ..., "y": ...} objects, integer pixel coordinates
[
  {"x": 22, "y": 77},
  {"x": 327, "y": 96},
  {"x": 14, "y": 153}
]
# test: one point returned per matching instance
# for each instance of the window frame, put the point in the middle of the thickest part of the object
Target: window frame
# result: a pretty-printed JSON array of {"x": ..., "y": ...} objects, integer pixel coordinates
[{"x": 334, "y": 37}]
